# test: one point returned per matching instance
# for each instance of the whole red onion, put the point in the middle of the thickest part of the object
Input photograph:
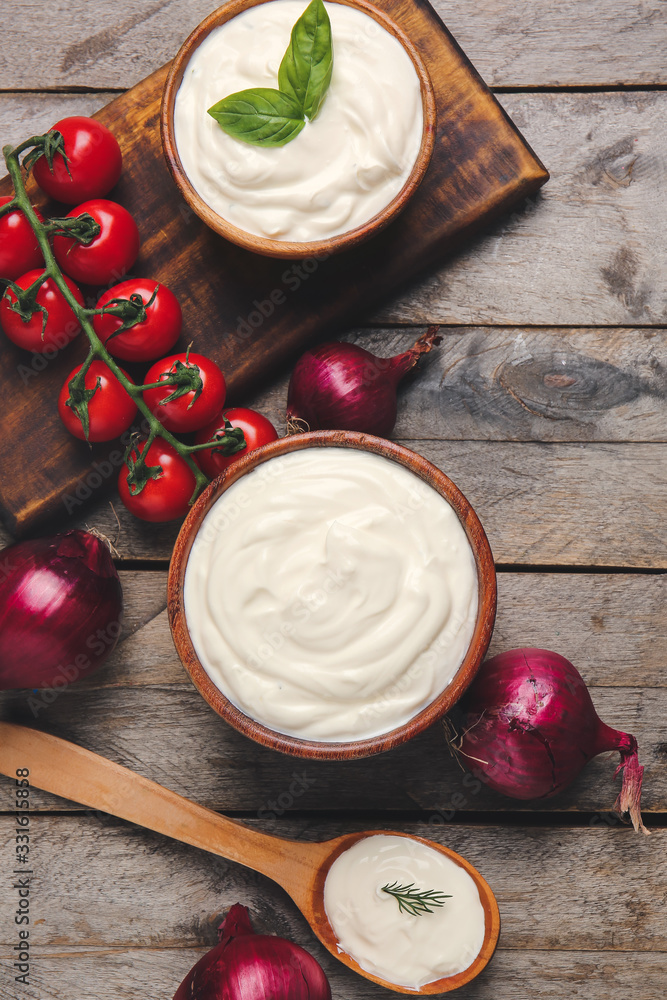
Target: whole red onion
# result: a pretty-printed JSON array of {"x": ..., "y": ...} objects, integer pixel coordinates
[
  {"x": 249, "y": 966},
  {"x": 60, "y": 610},
  {"x": 343, "y": 387},
  {"x": 528, "y": 727}
]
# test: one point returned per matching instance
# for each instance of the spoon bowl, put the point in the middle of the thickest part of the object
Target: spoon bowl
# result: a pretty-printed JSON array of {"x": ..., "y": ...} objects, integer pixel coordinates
[{"x": 73, "y": 773}]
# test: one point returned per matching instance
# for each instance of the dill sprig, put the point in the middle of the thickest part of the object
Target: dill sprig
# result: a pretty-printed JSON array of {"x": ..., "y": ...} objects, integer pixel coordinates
[{"x": 415, "y": 901}]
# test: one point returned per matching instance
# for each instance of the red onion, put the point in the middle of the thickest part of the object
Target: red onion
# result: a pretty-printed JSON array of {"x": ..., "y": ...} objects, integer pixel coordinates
[
  {"x": 528, "y": 727},
  {"x": 343, "y": 387},
  {"x": 60, "y": 610},
  {"x": 249, "y": 966}
]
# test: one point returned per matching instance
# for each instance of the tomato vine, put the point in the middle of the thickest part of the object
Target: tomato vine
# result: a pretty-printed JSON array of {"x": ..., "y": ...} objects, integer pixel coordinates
[{"x": 84, "y": 229}]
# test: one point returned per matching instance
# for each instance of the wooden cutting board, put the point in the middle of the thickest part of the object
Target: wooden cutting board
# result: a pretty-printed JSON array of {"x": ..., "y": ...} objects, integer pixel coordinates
[{"x": 254, "y": 314}]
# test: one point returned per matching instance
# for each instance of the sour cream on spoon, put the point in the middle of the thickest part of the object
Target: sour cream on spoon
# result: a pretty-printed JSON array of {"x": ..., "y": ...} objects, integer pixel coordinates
[{"x": 371, "y": 896}]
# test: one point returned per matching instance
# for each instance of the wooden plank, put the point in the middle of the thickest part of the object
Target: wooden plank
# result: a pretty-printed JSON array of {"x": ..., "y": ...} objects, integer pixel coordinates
[
  {"x": 540, "y": 504},
  {"x": 156, "y": 972},
  {"x": 590, "y": 42},
  {"x": 170, "y": 735},
  {"x": 481, "y": 167},
  {"x": 521, "y": 384},
  {"x": 588, "y": 250},
  {"x": 615, "y": 631},
  {"x": 544, "y": 894},
  {"x": 22, "y": 115},
  {"x": 537, "y": 385}
]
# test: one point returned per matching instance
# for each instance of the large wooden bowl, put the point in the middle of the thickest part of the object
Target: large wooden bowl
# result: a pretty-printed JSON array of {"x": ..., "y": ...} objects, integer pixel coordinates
[
  {"x": 479, "y": 643},
  {"x": 285, "y": 248}
]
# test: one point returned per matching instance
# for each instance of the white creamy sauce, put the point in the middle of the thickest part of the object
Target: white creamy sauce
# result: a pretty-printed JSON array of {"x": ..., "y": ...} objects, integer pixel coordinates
[
  {"x": 331, "y": 594},
  {"x": 343, "y": 168},
  {"x": 404, "y": 949}
]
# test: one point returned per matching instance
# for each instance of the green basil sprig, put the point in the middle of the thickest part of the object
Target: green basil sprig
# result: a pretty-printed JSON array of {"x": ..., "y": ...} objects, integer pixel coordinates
[
  {"x": 305, "y": 71},
  {"x": 262, "y": 116}
]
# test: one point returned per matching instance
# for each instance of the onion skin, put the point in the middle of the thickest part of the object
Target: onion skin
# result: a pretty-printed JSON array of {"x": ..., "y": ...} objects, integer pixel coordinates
[
  {"x": 60, "y": 610},
  {"x": 343, "y": 387},
  {"x": 528, "y": 726},
  {"x": 249, "y": 966}
]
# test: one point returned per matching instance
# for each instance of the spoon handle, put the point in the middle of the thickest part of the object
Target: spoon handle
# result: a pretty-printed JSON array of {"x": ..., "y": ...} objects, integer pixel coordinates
[{"x": 76, "y": 774}]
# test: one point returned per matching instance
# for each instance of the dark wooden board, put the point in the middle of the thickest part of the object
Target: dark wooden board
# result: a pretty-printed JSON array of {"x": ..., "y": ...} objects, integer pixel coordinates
[{"x": 481, "y": 167}]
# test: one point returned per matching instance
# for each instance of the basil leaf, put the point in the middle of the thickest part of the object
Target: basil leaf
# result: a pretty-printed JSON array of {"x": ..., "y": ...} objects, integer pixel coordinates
[
  {"x": 305, "y": 71},
  {"x": 260, "y": 116}
]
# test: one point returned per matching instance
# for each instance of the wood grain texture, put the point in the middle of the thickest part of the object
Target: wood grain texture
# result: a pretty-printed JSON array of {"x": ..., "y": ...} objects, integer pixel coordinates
[
  {"x": 22, "y": 115},
  {"x": 170, "y": 735},
  {"x": 121, "y": 974},
  {"x": 539, "y": 504},
  {"x": 588, "y": 251},
  {"x": 253, "y": 313},
  {"x": 574, "y": 43},
  {"x": 115, "y": 879},
  {"x": 521, "y": 384},
  {"x": 536, "y": 385}
]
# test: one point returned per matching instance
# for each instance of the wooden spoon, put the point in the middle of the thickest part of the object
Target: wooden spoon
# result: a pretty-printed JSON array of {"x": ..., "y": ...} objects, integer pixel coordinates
[{"x": 301, "y": 868}]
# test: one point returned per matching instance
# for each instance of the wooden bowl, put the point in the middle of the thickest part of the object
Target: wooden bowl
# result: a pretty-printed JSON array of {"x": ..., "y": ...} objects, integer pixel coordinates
[
  {"x": 479, "y": 643},
  {"x": 285, "y": 248}
]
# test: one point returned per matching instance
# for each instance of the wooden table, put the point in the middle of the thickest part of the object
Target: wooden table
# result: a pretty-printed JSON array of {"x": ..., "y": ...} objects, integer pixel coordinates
[{"x": 545, "y": 404}]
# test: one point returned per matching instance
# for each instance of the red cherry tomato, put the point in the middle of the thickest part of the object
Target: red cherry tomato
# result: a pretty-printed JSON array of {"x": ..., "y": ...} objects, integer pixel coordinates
[
  {"x": 110, "y": 410},
  {"x": 61, "y": 327},
  {"x": 186, "y": 413},
  {"x": 93, "y": 165},
  {"x": 110, "y": 255},
  {"x": 257, "y": 431},
  {"x": 167, "y": 497},
  {"x": 149, "y": 339},
  {"x": 19, "y": 249}
]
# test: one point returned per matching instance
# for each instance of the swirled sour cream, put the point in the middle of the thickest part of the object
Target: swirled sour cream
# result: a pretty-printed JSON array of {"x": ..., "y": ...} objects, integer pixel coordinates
[
  {"x": 331, "y": 594},
  {"x": 404, "y": 949},
  {"x": 343, "y": 168}
]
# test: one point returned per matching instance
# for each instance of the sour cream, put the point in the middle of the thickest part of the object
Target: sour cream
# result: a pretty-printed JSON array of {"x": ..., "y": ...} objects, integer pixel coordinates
[
  {"x": 331, "y": 594},
  {"x": 399, "y": 947},
  {"x": 343, "y": 168}
]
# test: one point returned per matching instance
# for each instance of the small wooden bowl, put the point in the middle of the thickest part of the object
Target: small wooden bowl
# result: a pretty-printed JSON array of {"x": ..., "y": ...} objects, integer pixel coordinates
[
  {"x": 285, "y": 248},
  {"x": 479, "y": 643}
]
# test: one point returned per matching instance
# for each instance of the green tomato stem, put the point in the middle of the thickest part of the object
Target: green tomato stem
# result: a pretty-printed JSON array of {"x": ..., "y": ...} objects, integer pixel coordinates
[
  {"x": 10, "y": 206},
  {"x": 97, "y": 349},
  {"x": 213, "y": 443}
]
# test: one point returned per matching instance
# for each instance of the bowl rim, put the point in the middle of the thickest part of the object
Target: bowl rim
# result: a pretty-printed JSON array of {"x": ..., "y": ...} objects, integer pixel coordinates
[
  {"x": 479, "y": 643},
  {"x": 287, "y": 248}
]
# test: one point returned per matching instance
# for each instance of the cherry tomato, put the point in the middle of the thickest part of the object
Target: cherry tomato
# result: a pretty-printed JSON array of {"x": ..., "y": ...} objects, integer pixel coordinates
[
  {"x": 167, "y": 497},
  {"x": 186, "y": 413},
  {"x": 257, "y": 431},
  {"x": 61, "y": 327},
  {"x": 93, "y": 163},
  {"x": 110, "y": 255},
  {"x": 110, "y": 410},
  {"x": 153, "y": 336},
  {"x": 19, "y": 249}
]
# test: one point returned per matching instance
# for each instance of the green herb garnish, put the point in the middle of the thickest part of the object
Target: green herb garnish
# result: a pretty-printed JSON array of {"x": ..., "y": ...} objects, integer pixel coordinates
[
  {"x": 415, "y": 901},
  {"x": 263, "y": 116},
  {"x": 305, "y": 71}
]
